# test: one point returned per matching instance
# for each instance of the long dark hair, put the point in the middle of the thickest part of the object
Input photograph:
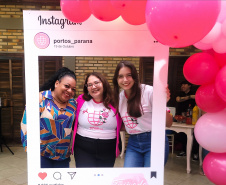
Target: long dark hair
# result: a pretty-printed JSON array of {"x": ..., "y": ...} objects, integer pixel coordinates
[
  {"x": 134, "y": 101},
  {"x": 50, "y": 83},
  {"x": 107, "y": 92}
]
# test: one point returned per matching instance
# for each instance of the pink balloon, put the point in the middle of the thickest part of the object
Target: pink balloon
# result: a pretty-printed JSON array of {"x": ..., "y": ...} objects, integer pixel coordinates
[
  {"x": 223, "y": 28},
  {"x": 220, "y": 83},
  {"x": 103, "y": 10},
  {"x": 208, "y": 100},
  {"x": 134, "y": 12},
  {"x": 75, "y": 11},
  {"x": 214, "y": 167},
  {"x": 220, "y": 58},
  {"x": 222, "y": 15},
  {"x": 181, "y": 23},
  {"x": 213, "y": 34},
  {"x": 120, "y": 4},
  {"x": 210, "y": 51},
  {"x": 202, "y": 46},
  {"x": 210, "y": 131},
  {"x": 219, "y": 44},
  {"x": 198, "y": 66}
]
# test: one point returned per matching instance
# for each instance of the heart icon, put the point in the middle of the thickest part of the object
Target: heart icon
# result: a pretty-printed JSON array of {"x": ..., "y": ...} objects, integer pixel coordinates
[{"x": 42, "y": 175}]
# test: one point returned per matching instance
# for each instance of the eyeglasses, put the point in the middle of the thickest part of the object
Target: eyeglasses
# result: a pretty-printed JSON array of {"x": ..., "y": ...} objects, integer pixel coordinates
[{"x": 96, "y": 83}]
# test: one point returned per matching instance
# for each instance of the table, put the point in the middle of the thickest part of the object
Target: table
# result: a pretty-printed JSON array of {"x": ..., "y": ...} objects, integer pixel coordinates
[
  {"x": 188, "y": 130},
  {"x": 2, "y": 140}
]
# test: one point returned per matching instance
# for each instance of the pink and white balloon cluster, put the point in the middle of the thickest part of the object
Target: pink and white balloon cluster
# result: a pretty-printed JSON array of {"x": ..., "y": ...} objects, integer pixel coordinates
[
  {"x": 216, "y": 38},
  {"x": 208, "y": 69},
  {"x": 173, "y": 23}
]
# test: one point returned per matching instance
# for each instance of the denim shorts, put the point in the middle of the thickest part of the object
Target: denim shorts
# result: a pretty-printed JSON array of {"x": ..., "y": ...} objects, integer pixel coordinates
[{"x": 138, "y": 150}]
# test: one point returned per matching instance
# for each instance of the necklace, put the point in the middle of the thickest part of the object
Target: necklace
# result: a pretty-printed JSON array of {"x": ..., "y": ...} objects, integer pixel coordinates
[{"x": 62, "y": 108}]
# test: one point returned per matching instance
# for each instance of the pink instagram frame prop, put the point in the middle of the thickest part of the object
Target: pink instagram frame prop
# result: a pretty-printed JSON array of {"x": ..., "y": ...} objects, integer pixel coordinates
[{"x": 49, "y": 33}]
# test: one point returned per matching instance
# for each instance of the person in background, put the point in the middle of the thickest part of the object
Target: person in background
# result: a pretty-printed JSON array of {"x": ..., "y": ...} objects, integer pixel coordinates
[
  {"x": 184, "y": 99},
  {"x": 134, "y": 103},
  {"x": 97, "y": 126},
  {"x": 57, "y": 114}
]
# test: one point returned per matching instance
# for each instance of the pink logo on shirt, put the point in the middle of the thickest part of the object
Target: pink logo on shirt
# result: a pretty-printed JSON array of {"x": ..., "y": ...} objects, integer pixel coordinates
[
  {"x": 130, "y": 122},
  {"x": 85, "y": 111},
  {"x": 105, "y": 114},
  {"x": 42, "y": 40},
  {"x": 98, "y": 117}
]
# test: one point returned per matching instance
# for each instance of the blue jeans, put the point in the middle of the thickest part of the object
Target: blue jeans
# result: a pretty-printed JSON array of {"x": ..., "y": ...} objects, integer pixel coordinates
[
  {"x": 138, "y": 150},
  {"x": 50, "y": 163}
]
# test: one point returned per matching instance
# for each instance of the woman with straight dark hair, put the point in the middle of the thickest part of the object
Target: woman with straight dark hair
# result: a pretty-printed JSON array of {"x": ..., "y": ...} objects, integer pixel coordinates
[
  {"x": 134, "y": 103},
  {"x": 97, "y": 126},
  {"x": 57, "y": 114}
]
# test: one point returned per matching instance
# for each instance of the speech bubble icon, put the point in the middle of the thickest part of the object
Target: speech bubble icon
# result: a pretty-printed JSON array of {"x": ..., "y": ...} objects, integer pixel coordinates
[
  {"x": 57, "y": 175},
  {"x": 42, "y": 175}
]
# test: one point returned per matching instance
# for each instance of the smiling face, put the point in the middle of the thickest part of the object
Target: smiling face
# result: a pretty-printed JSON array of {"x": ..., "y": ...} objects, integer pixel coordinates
[
  {"x": 125, "y": 80},
  {"x": 65, "y": 89},
  {"x": 95, "y": 88}
]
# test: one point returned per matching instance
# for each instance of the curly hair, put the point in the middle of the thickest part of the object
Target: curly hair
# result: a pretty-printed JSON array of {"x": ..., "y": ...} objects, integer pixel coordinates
[
  {"x": 62, "y": 72},
  {"x": 134, "y": 101},
  {"x": 107, "y": 92}
]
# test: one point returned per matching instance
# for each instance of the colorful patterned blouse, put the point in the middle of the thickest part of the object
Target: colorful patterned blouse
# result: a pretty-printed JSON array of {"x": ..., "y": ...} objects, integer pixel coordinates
[{"x": 55, "y": 128}]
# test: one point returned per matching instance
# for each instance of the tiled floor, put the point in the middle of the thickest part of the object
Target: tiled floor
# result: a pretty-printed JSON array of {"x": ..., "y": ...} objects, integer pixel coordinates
[{"x": 13, "y": 169}]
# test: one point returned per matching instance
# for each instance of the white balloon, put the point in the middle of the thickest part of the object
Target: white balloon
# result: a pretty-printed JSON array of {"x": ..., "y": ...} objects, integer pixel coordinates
[
  {"x": 219, "y": 45},
  {"x": 213, "y": 34},
  {"x": 210, "y": 131},
  {"x": 223, "y": 28},
  {"x": 222, "y": 15},
  {"x": 203, "y": 46}
]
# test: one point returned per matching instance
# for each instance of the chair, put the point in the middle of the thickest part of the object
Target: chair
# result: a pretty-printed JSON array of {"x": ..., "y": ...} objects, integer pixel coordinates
[{"x": 171, "y": 141}]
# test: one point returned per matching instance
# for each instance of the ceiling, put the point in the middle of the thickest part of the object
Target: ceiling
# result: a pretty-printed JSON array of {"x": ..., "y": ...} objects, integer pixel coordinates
[{"x": 31, "y": 2}]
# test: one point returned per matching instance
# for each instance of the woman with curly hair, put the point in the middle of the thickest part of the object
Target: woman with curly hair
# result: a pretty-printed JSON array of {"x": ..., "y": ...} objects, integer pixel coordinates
[{"x": 57, "y": 114}]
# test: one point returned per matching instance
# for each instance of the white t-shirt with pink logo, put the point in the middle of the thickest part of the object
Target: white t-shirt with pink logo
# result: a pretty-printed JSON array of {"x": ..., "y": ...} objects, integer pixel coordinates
[
  {"x": 142, "y": 124},
  {"x": 96, "y": 121}
]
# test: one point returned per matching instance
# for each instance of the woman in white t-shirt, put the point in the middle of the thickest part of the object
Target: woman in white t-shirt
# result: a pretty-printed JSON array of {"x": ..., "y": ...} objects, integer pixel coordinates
[
  {"x": 97, "y": 126},
  {"x": 134, "y": 103}
]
